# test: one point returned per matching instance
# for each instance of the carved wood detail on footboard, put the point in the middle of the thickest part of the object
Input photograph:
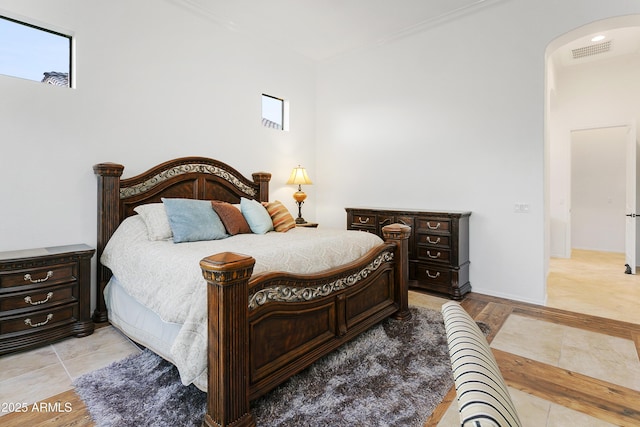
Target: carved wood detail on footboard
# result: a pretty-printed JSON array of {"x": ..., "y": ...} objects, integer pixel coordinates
[{"x": 267, "y": 328}]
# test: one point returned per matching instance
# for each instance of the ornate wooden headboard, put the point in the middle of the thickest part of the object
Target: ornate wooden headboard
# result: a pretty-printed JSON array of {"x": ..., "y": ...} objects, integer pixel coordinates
[{"x": 187, "y": 177}]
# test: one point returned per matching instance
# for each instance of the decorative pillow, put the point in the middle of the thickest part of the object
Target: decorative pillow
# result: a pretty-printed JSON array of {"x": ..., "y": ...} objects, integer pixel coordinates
[
  {"x": 256, "y": 215},
  {"x": 280, "y": 216},
  {"x": 231, "y": 217},
  {"x": 155, "y": 218},
  {"x": 193, "y": 220}
]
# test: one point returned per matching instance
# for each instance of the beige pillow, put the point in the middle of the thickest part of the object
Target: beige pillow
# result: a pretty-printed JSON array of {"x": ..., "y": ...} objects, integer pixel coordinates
[{"x": 156, "y": 219}]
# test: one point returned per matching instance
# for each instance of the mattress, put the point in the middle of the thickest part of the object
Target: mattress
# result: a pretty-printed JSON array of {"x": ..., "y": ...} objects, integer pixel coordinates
[{"x": 138, "y": 322}]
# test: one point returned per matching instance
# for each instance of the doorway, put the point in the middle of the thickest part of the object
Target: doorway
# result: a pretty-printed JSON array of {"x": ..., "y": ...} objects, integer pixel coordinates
[
  {"x": 585, "y": 95},
  {"x": 598, "y": 183}
]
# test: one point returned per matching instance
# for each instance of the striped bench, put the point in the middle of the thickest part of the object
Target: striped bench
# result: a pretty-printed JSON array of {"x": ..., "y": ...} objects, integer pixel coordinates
[{"x": 483, "y": 397}]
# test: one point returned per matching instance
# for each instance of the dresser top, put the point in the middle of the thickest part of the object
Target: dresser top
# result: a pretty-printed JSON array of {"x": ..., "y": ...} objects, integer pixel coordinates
[
  {"x": 43, "y": 252},
  {"x": 409, "y": 210}
]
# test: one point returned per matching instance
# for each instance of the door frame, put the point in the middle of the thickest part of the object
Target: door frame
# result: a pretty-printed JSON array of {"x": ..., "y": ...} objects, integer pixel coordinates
[
  {"x": 631, "y": 127},
  {"x": 631, "y": 207}
]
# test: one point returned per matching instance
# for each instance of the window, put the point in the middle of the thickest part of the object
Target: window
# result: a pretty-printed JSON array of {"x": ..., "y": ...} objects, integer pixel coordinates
[
  {"x": 273, "y": 112},
  {"x": 34, "y": 53}
]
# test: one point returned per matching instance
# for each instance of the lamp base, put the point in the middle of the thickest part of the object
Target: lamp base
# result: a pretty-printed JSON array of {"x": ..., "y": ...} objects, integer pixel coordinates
[{"x": 300, "y": 220}]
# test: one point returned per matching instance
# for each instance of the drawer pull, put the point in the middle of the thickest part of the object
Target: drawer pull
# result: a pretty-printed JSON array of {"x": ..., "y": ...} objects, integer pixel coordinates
[
  {"x": 436, "y": 256},
  {"x": 363, "y": 222},
  {"x": 432, "y": 227},
  {"x": 28, "y": 299},
  {"x": 27, "y": 277},
  {"x": 432, "y": 276},
  {"x": 28, "y": 321},
  {"x": 433, "y": 242}
]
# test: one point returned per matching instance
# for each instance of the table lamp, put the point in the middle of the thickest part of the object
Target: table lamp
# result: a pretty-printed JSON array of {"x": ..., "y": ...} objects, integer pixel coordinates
[{"x": 299, "y": 176}]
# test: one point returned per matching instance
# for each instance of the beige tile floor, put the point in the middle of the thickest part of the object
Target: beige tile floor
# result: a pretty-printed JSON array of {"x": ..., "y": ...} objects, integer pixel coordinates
[
  {"x": 33, "y": 375},
  {"x": 594, "y": 283},
  {"x": 591, "y": 283},
  {"x": 597, "y": 355}
]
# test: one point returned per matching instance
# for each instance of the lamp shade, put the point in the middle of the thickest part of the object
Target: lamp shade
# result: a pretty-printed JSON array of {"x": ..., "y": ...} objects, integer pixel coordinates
[{"x": 299, "y": 176}]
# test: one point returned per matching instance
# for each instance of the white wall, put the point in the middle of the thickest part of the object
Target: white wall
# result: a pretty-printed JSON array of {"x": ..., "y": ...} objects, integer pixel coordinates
[
  {"x": 453, "y": 118},
  {"x": 154, "y": 82},
  {"x": 598, "y": 184}
]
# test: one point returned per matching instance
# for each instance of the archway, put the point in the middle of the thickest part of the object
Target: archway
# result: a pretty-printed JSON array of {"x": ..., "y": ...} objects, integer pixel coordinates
[{"x": 596, "y": 89}]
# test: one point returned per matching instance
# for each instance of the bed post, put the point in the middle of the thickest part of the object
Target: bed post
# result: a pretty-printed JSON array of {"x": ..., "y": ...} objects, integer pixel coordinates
[
  {"x": 399, "y": 234},
  {"x": 108, "y": 219},
  {"x": 227, "y": 275},
  {"x": 262, "y": 178}
]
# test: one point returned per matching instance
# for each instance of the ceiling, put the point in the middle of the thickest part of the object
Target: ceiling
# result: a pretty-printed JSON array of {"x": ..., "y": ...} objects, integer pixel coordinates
[
  {"x": 322, "y": 29},
  {"x": 616, "y": 42}
]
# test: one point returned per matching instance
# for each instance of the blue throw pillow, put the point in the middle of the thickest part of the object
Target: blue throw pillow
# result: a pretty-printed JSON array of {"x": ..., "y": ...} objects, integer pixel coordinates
[
  {"x": 193, "y": 220},
  {"x": 256, "y": 215}
]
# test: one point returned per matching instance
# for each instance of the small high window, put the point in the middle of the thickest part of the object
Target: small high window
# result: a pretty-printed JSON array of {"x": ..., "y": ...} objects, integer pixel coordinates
[
  {"x": 274, "y": 112},
  {"x": 34, "y": 53}
]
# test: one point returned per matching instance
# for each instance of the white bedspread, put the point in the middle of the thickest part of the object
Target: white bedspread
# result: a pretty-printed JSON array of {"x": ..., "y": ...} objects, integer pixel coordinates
[{"x": 166, "y": 277}]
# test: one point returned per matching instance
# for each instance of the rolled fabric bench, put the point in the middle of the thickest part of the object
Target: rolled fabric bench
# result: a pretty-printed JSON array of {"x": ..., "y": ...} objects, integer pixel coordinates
[{"x": 483, "y": 397}]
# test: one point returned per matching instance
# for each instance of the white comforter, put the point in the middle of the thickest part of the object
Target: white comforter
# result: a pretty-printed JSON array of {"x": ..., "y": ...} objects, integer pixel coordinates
[{"x": 166, "y": 277}]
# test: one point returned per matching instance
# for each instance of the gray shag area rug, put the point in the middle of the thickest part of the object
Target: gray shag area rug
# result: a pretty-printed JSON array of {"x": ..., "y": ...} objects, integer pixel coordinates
[{"x": 395, "y": 374}]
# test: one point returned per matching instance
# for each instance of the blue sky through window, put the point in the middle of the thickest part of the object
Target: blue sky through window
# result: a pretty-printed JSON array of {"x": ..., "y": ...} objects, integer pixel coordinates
[
  {"x": 272, "y": 109},
  {"x": 29, "y": 52}
]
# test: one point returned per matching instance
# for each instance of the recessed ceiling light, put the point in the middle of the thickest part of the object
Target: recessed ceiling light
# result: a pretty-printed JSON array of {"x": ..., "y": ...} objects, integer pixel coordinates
[{"x": 597, "y": 38}]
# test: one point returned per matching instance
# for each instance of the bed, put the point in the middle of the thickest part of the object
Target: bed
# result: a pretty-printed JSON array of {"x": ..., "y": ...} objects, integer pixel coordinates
[{"x": 261, "y": 328}]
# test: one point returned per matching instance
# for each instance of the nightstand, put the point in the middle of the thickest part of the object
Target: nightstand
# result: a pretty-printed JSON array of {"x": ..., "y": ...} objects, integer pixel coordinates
[
  {"x": 308, "y": 224},
  {"x": 45, "y": 295}
]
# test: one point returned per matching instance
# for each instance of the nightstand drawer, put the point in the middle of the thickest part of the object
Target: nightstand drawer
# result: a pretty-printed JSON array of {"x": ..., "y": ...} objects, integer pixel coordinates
[
  {"x": 433, "y": 224},
  {"x": 37, "y": 299},
  {"x": 434, "y": 254},
  {"x": 40, "y": 320},
  {"x": 47, "y": 275}
]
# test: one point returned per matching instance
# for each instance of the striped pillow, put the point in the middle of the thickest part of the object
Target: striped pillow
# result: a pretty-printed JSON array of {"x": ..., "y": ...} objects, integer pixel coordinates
[
  {"x": 282, "y": 219},
  {"x": 483, "y": 397}
]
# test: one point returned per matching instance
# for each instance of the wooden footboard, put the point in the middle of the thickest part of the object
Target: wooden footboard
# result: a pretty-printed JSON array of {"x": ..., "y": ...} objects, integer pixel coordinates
[{"x": 266, "y": 328}]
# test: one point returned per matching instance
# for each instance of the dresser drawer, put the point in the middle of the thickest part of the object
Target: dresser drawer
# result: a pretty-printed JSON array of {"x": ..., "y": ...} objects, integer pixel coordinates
[
  {"x": 441, "y": 225},
  {"x": 429, "y": 274},
  {"x": 39, "y": 320},
  {"x": 383, "y": 220},
  {"x": 363, "y": 220},
  {"x": 433, "y": 240},
  {"x": 434, "y": 254},
  {"x": 47, "y": 275},
  {"x": 39, "y": 299}
]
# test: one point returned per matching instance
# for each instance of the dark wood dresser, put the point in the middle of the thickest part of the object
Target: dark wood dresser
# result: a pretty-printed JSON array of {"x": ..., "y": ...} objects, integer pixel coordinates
[
  {"x": 45, "y": 295},
  {"x": 438, "y": 246}
]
